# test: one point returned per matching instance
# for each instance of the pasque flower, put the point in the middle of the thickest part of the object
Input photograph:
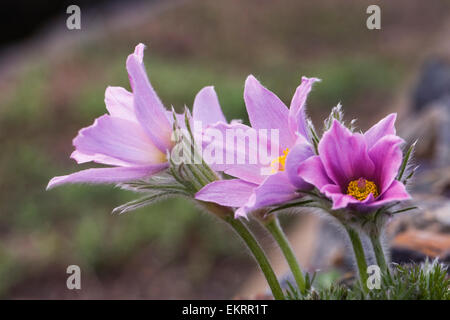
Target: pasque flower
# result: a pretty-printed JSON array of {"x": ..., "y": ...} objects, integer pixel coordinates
[
  {"x": 356, "y": 170},
  {"x": 136, "y": 135},
  {"x": 253, "y": 189}
]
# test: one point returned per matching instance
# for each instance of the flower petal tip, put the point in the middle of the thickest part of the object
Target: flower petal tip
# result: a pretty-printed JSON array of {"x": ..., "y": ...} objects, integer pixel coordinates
[
  {"x": 311, "y": 80},
  {"x": 251, "y": 81},
  {"x": 139, "y": 51},
  {"x": 54, "y": 182}
]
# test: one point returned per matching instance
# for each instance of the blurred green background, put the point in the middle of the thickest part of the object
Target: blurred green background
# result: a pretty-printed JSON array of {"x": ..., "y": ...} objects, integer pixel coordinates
[{"x": 170, "y": 250}]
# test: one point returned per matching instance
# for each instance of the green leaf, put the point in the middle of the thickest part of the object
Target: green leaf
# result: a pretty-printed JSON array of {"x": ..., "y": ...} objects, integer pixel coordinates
[
  {"x": 145, "y": 201},
  {"x": 406, "y": 159},
  {"x": 404, "y": 210}
]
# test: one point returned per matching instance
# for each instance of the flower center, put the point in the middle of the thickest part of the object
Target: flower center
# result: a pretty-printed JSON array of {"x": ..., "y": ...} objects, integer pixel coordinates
[
  {"x": 278, "y": 164},
  {"x": 361, "y": 188}
]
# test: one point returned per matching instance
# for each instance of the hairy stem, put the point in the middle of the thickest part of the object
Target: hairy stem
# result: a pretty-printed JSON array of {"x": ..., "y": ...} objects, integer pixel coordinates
[
  {"x": 359, "y": 256},
  {"x": 259, "y": 256},
  {"x": 273, "y": 226},
  {"x": 379, "y": 254}
]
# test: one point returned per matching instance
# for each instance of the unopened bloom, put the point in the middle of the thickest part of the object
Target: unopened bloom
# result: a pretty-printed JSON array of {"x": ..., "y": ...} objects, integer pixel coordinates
[
  {"x": 136, "y": 135},
  {"x": 357, "y": 170},
  {"x": 253, "y": 188}
]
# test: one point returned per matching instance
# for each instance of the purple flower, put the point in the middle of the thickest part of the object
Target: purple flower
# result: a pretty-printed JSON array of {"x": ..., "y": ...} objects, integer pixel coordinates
[
  {"x": 136, "y": 134},
  {"x": 357, "y": 170},
  {"x": 253, "y": 189}
]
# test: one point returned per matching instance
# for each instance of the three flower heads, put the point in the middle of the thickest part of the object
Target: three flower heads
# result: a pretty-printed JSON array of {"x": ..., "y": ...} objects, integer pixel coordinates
[{"x": 278, "y": 161}]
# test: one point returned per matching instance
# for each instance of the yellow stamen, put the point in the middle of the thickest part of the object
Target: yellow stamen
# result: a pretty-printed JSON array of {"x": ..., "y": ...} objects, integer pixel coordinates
[
  {"x": 361, "y": 188},
  {"x": 279, "y": 163}
]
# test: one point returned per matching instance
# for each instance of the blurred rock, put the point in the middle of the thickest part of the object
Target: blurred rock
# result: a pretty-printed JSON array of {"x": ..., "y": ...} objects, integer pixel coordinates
[
  {"x": 433, "y": 84},
  {"x": 403, "y": 255},
  {"x": 429, "y": 121},
  {"x": 431, "y": 127},
  {"x": 424, "y": 233},
  {"x": 429, "y": 243}
]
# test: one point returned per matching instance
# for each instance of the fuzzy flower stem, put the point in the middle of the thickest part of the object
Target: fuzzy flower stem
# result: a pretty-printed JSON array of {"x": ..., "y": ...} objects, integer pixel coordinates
[
  {"x": 273, "y": 226},
  {"x": 359, "y": 256},
  {"x": 379, "y": 254},
  {"x": 259, "y": 256}
]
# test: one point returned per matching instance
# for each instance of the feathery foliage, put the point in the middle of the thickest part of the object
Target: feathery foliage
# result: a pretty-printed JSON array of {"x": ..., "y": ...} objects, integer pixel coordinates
[{"x": 426, "y": 281}]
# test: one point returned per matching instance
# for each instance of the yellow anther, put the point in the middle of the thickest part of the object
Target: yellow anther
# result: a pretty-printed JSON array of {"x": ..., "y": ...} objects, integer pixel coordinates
[
  {"x": 361, "y": 188},
  {"x": 279, "y": 163}
]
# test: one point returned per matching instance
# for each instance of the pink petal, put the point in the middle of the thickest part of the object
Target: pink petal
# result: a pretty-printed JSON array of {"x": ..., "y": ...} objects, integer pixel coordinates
[
  {"x": 276, "y": 189},
  {"x": 244, "y": 162},
  {"x": 384, "y": 127},
  {"x": 139, "y": 54},
  {"x": 344, "y": 155},
  {"x": 297, "y": 118},
  {"x": 313, "y": 172},
  {"x": 119, "y": 103},
  {"x": 341, "y": 200},
  {"x": 387, "y": 157},
  {"x": 230, "y": 193},
  {"x": 107, "y": 175},
  {"x": 395, "y": 192},
  {"x": 118, "y": 140},
  {"x": 207, "y": 108},
  {"x": 267, "y": 111},
  {"x": 299, "y": 153},
  {"x": 148, "y": 107},
  {"x": 80, "y": 157},
  {"x": 250, "y": 173}
]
